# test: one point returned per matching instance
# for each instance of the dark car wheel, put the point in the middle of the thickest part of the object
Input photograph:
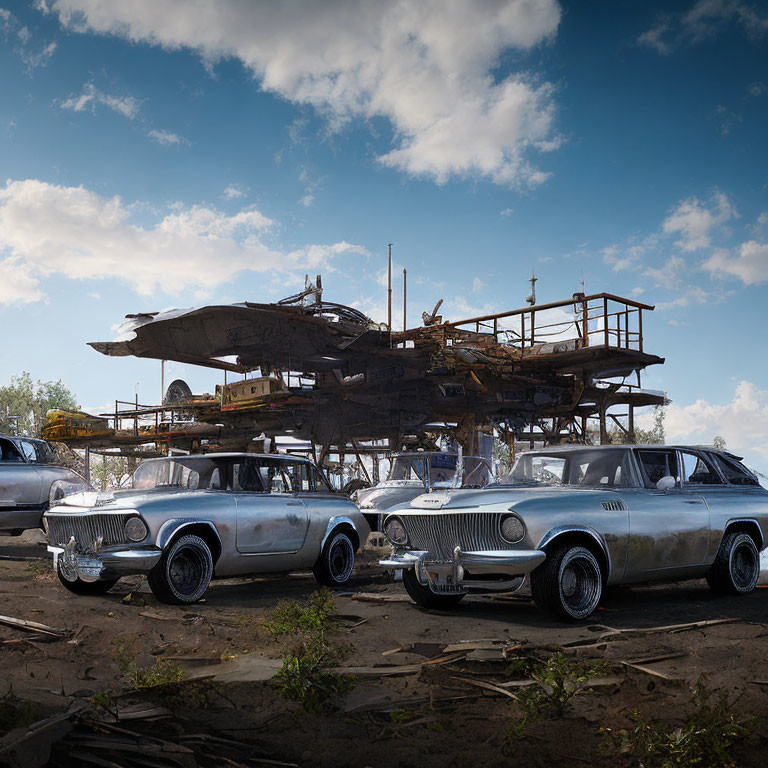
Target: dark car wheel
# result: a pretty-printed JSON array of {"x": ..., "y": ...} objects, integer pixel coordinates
[
  {"x": 569, "y": 583},
  {"x": 334, "y": 566},
  {"x": 184, "y": 572},
  {"x": 737, "y": 566},
  {"x": 424, "y": 596},
  {"x": 80, "y": 587}
]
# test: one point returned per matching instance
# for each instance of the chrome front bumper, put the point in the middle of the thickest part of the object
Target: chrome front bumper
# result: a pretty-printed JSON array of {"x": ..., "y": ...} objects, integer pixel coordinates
[
  {"x": 106, "y": 564},
  {"x": 449, "y": 575}
]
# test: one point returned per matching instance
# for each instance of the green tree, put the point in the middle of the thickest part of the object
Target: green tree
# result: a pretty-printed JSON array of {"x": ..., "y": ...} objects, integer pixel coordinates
[
  {"x": 655, "y": 435},
  {"x": 108, "y": 471},
  {"x": 24, "y": 403},
  {"x": 718, "y": 441}
]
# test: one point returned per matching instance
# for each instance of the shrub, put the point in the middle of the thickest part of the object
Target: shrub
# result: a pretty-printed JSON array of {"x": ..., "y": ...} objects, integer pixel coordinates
[
  {"x": 311, "y": 615},
  {"x": 706, "y": 739}
]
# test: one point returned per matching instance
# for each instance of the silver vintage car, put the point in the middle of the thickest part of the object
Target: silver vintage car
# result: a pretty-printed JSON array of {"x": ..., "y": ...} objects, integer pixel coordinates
[
  {"x": 575, "y": 519},
  {"x": 30, "y": 480},
  {"x": 416, "y": 472},
  {"x": 189, "y": 519}
]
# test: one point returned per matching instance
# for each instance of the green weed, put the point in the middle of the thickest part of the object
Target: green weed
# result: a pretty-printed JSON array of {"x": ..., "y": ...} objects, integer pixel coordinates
[
  {"x": 38, "y": 567},
  {"x": 706, "y": 739},
  {"x": 314, "y": 614},
  {"x": 16, "y": 712},
  {"x": 399, "y": 718},
  {"x": 162, "y": 672},
  {"x": 304, "y": 676},
  {"x": 558, "y": 680}
]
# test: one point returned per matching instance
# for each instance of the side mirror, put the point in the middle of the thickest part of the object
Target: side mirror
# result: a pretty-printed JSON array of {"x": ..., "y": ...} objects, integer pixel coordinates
[{"x": 666, "y": 483}]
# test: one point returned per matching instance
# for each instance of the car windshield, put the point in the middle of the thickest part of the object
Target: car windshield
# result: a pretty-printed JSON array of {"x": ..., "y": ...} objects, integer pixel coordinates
[
  {"x": 174, "y": 473},
  {"x": 587, "y": 467},
  {"x": 440, "y": 470}
]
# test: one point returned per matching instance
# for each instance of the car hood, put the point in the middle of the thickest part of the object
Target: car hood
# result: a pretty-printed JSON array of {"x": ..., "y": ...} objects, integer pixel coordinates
[
  {"x": 128, "y": 499},
  {"x": 506, "y": 495},
  {"x": 384, "y": 497}
]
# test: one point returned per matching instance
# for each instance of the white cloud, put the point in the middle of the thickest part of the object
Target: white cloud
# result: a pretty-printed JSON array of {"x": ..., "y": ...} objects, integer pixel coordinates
[
  {"x": 668, "y": 274},
  {"x": 71, "y": 231},
  {"x": 694, "y": 220},
  {"x": 621, "y": 258},
  {"x": 743, "y": 421},
  {"x": 427, "y": 67},
  {"x": 477, "y": 285},
  {"x": 166, "y": 138},
  {"x": 703, "y": 20},
  {"x": 691, "y": 296},
  {"x": 233, "y": 192},
  {"x": 32, "y": 58},
  {"x": 749, "y": 263},
  {"x": 127, "y": 106},
  {"x": 17, "y": 283}
]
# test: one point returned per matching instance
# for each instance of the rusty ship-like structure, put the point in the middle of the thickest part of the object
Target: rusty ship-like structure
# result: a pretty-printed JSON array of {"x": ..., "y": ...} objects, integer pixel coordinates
[{"x": 326, "y": 373}]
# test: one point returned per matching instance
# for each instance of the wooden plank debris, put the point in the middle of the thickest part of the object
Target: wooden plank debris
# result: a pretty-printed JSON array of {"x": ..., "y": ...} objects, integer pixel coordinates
[
  {"x": 608, "y": 634},
  {"x": 33, "y": 626},
  {"x": 649, "y": 671},
  {"x": 372, "y": 597}
]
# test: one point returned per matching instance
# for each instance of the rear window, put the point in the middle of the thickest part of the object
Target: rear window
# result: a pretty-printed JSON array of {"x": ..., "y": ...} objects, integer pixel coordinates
[{"x": 733, "y": 471}]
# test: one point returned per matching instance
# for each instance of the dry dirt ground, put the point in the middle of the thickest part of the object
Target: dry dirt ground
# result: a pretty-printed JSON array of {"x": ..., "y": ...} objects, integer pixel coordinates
[{"x": 455, "y": 711}]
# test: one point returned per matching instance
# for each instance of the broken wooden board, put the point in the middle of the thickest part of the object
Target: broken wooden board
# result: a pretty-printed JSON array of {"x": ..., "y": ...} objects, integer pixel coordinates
[
  {"x": 248, "y": 668},
  {"x": 372, "y": 597},
  {"x": 33, "y": 626}
]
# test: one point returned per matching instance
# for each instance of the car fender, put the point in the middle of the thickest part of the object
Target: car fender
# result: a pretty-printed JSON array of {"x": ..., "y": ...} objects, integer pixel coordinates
[
  {"x": 333, "y": 523},
  {"x": 556, "y": 533},
  {"x": 752, "y": 522},
  {"x": 170, "y": 528}
]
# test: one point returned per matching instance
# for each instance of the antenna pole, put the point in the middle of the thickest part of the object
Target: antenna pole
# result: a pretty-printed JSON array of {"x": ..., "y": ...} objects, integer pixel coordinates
[
  {"x": 389, "y": 294},
  {"x": 405, "y": 294}
]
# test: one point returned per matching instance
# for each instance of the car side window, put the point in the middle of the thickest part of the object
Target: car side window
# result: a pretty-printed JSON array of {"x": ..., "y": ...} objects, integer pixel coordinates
[
  {"x": 28, "y": 449},
  {"x": 656, "y": 464},
  {"x": 8, "y": 451},
  {"x": 733, "y": 472},
  {"x": 299, "y": 476},
  {"x": 247, "y": 476},
  {"x": 698, "y": 471},
  {"x": 321, "y": 484}
]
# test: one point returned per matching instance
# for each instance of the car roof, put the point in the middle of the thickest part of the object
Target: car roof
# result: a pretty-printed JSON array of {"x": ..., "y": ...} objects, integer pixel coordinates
[
  {"x": 634, "y": 446},
  {"x": 233, "y": 455}
]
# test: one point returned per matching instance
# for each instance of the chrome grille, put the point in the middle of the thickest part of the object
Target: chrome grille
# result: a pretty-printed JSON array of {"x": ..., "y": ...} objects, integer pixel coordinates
[
  {"x": 440, "y": 534},
  {"x": 86, "y": 529}
]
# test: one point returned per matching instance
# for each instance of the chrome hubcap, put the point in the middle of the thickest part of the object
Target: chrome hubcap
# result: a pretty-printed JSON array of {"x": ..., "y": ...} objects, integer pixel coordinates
[
  {"x": 580, "y": 585},
  {"x": 743, "y": 566},
  {"x": 341, "y": 559},
  {"x": 186, "y": 571}
]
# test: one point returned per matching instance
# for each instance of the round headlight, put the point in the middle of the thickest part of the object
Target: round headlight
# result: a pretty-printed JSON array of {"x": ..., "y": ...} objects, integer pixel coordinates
[
  {"x": 512, "y": 529},
  {"x": 135, "y": 529},
  {"x": 394, "y": 530}
]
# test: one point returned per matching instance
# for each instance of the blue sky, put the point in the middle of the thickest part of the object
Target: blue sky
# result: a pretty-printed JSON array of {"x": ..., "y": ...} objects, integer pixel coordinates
[{"x": 159, "y": 154}]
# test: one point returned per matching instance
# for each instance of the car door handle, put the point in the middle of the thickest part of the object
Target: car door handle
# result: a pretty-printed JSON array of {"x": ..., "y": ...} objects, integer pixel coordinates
[
  {"x": 693, "y": 502},
  {"x": 292, "y": 503}
]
